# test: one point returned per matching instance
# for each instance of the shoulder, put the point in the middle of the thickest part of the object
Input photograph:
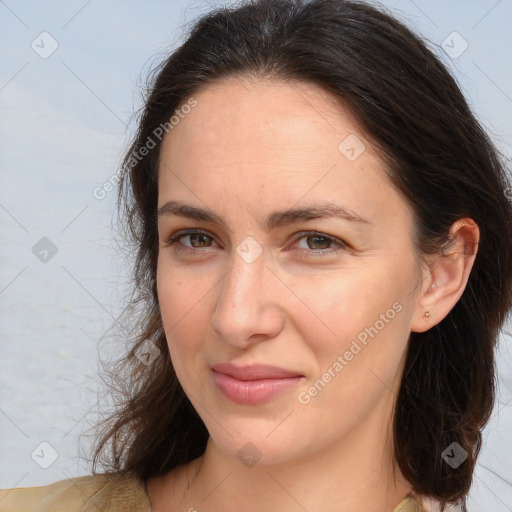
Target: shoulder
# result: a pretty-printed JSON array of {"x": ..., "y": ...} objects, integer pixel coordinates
[
  {"x": 107, "y": 492},
  {"x": 410, "y": 503},
  {"x": 418, "y": 503}
]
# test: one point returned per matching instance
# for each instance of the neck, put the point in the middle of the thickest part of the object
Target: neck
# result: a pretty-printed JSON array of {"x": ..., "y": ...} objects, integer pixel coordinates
[{"x": 355, "y": 475}]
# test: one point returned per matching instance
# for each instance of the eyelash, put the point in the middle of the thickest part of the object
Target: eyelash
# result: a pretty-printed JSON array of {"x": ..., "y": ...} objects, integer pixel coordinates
[{"x": 342, "y": 246}]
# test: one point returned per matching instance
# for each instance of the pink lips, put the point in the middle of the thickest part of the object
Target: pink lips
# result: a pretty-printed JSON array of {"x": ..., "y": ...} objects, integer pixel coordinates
[{"x": 253, "y": 384}]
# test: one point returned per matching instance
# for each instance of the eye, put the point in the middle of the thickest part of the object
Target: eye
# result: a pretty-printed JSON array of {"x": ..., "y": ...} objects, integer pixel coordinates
[
  {"x": 320, "y": 244},
  {"x": 316, "y": 243},
  {"x": 196, "y": 240}
]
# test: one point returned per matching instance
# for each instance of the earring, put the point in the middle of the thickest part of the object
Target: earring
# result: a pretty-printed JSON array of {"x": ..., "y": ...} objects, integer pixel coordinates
[{"x": 427, "y": 314}]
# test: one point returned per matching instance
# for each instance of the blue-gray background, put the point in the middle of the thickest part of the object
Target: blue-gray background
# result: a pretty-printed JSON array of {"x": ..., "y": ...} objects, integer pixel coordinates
[{"x": 64, "y": 122}]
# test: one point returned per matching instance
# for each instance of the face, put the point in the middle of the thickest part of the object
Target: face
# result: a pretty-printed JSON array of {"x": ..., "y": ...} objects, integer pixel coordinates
[{"x": 282, "y": 243}]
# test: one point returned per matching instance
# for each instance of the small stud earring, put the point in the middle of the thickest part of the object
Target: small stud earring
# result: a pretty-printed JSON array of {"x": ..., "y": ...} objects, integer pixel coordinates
[{"x": 427, "y": 314}]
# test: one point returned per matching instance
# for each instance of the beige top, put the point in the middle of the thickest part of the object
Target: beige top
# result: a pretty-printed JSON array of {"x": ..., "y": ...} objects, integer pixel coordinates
[{"x": 105, "y": 493}]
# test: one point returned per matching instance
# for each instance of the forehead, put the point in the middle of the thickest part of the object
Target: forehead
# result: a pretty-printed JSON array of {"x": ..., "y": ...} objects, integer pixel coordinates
[
  {"x": 246, "y": 139},
  {"x": 272, "y": 112}
]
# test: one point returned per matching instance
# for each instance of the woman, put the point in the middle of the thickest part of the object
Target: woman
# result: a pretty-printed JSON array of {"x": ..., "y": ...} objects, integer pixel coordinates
[{"x": 323, "y": 251}]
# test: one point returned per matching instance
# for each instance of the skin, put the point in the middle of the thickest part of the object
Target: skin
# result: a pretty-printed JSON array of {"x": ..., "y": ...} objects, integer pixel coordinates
[{"x": 250, "y": 147}]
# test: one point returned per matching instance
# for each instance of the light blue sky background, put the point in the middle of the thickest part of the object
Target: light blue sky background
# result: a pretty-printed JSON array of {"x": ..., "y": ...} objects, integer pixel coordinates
[{"x": 64, "y": 122}]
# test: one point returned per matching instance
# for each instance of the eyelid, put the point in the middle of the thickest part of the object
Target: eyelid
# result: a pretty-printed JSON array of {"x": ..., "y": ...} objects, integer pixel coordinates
[
  {"x": 339, "y": 244},
  {"x": 190, "y": 231},
  {"x": 332, "y": 238}
]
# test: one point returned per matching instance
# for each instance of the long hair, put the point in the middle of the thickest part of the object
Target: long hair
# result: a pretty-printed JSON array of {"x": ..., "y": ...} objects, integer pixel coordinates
[{"x": 437, "y": 156}]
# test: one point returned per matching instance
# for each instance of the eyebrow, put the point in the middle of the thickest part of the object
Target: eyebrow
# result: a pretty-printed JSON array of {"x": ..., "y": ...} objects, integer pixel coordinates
[{"x": 275, "y": 219}]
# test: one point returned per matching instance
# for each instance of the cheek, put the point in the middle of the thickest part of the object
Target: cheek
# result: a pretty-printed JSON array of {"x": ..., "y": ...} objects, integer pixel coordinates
[
  {"x": 358, "y": 363},
  {"x": 361, "y": 316},
  {"x": 341, "y": 308},
  {"x": 184, "y": 307}
]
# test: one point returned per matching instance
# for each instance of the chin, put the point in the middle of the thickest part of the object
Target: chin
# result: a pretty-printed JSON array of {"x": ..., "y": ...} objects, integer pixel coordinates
[{"x": 261, "y": 446}]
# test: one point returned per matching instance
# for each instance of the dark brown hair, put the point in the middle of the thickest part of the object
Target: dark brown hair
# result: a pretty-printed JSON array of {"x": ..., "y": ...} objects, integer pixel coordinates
[{"x": 437, "y": 156}]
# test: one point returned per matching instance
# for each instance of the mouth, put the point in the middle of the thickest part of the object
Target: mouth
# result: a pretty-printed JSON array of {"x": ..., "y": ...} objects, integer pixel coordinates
[
  {"x": 255, "y": 372},
  {"x": 252, "y": 385}
]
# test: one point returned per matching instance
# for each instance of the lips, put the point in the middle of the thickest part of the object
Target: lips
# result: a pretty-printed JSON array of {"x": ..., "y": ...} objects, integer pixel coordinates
[
  {"x": 255, "y": 372},
  {"x": 251, "y": 385}
]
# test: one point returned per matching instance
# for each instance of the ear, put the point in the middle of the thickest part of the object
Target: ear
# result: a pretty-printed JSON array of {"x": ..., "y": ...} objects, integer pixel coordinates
[{"x": 446, "y": 276}]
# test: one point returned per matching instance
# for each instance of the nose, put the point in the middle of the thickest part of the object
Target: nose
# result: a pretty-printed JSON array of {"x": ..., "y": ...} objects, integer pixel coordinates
[{"x": 247, "y": 309}]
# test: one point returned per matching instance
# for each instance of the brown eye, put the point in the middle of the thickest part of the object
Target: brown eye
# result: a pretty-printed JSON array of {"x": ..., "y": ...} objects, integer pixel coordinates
[
  {"x": 196, "y": 240},
  {"x": 318, "y": 242},
  {"x": 199, "y": 239}
]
